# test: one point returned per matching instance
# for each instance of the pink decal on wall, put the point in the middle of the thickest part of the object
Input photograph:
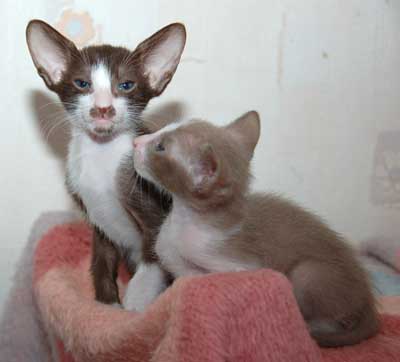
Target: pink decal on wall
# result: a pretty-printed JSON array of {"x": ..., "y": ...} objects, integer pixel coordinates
[{"x": 78, "y": 26}]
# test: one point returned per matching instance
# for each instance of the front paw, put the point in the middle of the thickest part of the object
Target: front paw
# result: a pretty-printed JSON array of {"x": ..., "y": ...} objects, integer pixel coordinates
[
  {"x": 144, "y": 287},
  {"x": 134, "y": 301},
  {"x": 117, "y": 305},
  {"x": 139, "y": 295}
]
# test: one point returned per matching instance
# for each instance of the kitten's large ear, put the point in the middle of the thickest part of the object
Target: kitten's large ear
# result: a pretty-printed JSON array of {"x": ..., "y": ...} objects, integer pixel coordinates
[
  {"x": 205, "y": 170},
  {"x": 160, "y": 55},
  {"x": 50, "y": 51},
  {"x": 246, "y": 131}
]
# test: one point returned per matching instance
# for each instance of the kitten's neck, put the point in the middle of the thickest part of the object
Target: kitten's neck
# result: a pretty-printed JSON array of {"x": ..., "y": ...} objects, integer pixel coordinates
[{"x": 224, "y": 217}]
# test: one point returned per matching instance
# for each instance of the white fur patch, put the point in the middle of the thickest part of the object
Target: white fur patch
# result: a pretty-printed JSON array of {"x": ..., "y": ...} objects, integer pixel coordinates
[
  {"x": 170, "y": 127},
  {"x": 147, "y": 283},
  {"x": 92, "y": 169},
  {"x": 101, "y": 77},
  {"x": 101, "y": 84},
  {"x": 187, "y": 246}
]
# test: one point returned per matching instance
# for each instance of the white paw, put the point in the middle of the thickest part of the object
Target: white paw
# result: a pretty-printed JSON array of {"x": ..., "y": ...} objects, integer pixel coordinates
[
  {"x": 136, "y": 301},
  {"x": 147, "y": 283},
  {"x": 116, "y": 305}
]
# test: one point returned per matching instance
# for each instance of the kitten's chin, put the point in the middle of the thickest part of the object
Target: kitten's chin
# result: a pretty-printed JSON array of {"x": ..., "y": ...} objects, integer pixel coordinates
[
  {"x": 101, "y": 127},
  {"x": 101, "y": 134},
  {"x": 104, "y": 130}
]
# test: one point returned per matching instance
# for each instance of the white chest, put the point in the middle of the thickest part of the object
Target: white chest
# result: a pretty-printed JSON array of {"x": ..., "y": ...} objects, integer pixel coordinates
[
  {"x": 93, "y": 171},
  {"x": 186, "y": 246}
]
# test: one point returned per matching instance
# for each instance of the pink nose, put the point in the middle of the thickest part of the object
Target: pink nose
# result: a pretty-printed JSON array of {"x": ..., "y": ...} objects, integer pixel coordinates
[
  {"x": 139, "y": 142},
  {"x": 102, "y": 112}
]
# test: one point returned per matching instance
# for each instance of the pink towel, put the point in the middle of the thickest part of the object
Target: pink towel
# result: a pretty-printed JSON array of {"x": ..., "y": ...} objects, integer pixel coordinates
[{"x": 238, "y": 317}]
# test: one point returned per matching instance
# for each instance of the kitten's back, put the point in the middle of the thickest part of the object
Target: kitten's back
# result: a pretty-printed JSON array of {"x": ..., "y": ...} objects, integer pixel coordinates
[
  {"x": 272, "y": 221},
  {"x": 331, "y": 287}
]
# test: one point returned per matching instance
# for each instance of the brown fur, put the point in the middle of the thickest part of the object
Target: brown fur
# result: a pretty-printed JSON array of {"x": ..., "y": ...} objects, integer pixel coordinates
[
  {"x": 104, "y": 268},
  {"x": 207, "y": 167},
  {"x": 144, "y": 203},
  {"x": 147, "y": 206}
]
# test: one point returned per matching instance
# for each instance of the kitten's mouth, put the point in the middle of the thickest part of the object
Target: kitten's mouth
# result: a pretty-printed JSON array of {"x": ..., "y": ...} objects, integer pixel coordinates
[
  {"x": 101, "y": 127},
  {"x": 102, "y": 123},
  {"x": 102, "y": 131}
]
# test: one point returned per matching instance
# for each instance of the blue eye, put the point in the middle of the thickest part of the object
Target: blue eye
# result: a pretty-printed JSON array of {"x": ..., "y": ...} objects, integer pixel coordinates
[
  {"x": 159, "y": 147},
  {"x": 126, "y": 86},
  {"x": 82, "y": 84}
]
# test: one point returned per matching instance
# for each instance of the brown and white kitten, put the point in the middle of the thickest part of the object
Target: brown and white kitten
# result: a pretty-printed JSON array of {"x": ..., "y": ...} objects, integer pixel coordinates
[
  {"x": 218, "y": 225},
  {"x": 104, "y": 90}
]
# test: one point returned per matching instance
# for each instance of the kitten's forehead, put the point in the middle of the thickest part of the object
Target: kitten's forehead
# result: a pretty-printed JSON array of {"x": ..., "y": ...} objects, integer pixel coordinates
[
  {"x": 196, "y": 132},
  {"x": 187, "y": 136},
  {"x": 183, "y": 127},
  {"x": 101, "y": 64},
  {"x": 170, "y": 128},
  {"x": 108, "y": 55}
]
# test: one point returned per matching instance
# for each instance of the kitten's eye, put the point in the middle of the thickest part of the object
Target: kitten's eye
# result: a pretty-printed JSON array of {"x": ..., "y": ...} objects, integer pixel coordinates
[
  {"x": 159, "y": 147},
  {"x": 82, "y": 84},
  {"x": 126, "y": 86}
]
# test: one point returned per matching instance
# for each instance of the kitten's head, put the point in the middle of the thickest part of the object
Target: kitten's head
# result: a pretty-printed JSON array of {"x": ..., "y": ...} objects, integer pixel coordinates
[
  {"x": 105, "y": 88},
  {"x": 201, "y": 163}
]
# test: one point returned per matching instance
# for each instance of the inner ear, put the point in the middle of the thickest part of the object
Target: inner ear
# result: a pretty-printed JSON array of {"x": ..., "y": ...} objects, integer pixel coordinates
[
  {"x": 208, "y": 164},
  {"x": 246, "y": 131},
  {"x": 206, "y": 169},
  {"x": 160, "y": 55},
  {"x": 50, "y": 51}
]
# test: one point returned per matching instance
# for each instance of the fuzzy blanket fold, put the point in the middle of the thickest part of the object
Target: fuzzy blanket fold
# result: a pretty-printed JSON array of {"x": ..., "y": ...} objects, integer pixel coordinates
[{"x": 238, "y": 317}]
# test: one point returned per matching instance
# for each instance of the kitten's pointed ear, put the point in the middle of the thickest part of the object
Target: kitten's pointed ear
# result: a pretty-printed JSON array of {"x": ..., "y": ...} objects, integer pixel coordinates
[
  {"x": 50, "y": 51},
  {"x": 160, "y": 55},
  {"x": 205, "y": 170},
  {"x": 246, "y": 130}
]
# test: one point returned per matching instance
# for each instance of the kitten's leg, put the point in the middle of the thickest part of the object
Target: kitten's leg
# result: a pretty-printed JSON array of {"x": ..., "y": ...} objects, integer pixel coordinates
[
  {"x": 104, "y": 268},
  {"x": 336, "y": 302},
  {"x": 147, "y": 283}
]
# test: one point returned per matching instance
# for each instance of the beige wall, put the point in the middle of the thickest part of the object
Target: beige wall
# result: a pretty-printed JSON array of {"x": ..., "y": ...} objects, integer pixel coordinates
[{"x": 324, "y": 75}]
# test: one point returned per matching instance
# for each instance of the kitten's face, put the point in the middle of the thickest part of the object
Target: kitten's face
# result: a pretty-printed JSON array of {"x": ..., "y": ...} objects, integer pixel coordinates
[
  {"x": 198, "y": 161},
  {"x": 167, "y": 156},
  {"x": 101, "y": 91},
  {"x": 105, "y": 88}
]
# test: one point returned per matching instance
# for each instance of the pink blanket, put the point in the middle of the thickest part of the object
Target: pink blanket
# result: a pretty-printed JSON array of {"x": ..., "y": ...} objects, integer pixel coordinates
[{"x": 248, "y": 316}]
